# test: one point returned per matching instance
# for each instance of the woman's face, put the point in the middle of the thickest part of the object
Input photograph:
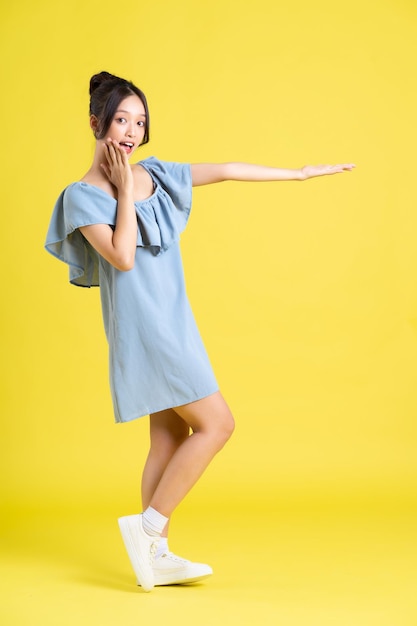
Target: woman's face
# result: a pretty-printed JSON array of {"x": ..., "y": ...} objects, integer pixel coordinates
[{"x": 129, "y": 124}]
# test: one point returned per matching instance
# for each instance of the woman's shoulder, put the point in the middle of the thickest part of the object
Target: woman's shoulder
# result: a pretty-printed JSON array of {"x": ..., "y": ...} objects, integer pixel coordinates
[
  {"x": 90, "y": 182},
  {"x": 81, "y": 193},
  {"x": 172, "y": 178},
  {"x": 166, "y": 170},
  {"x": 153, "y": 161}
]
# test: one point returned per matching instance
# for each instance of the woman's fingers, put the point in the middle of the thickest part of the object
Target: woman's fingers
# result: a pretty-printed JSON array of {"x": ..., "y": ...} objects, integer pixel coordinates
[
  {"x": 310, "y": 171},
  {"x": 114, "y": 155},
  {"x": 345, "y": 166},
  {"x": 113, "y": 151},
  {"x": 117, "y": 166}
]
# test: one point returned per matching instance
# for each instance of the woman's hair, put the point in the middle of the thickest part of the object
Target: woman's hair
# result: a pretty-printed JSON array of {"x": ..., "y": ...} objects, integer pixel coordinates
[{"x": 106, "y": 93}]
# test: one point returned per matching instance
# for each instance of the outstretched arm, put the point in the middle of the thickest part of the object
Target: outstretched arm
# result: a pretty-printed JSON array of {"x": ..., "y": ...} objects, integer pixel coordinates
[{"x": 207, "y": 173}]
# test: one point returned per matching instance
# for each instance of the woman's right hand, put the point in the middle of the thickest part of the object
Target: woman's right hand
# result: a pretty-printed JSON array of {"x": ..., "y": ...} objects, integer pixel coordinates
[
  {"x": 117, "y": 246},
  {"x": 117, "y": 167}
]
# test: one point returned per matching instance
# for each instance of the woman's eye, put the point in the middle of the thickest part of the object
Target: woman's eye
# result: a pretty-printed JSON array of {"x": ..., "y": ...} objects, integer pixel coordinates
[
  {"x": 141, "y": 123},
  {"x": 121, "y": 119}
]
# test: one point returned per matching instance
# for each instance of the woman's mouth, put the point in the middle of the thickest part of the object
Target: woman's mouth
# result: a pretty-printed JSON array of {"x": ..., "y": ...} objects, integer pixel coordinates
[{"x": 127, "y": 146}]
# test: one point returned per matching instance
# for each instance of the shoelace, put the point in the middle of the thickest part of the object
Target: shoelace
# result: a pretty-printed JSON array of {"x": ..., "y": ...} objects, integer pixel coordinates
[
  {"x": 152, "y": 551},
  {"x": 174, "y": 557}
]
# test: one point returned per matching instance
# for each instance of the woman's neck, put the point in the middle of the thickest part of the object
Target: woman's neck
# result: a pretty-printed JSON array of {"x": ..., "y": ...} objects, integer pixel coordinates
[{"x": 96, "y": 173}]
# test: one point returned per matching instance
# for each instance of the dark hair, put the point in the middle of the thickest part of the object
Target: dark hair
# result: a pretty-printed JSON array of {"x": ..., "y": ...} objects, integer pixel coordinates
[{"x": 106, "y": 93}]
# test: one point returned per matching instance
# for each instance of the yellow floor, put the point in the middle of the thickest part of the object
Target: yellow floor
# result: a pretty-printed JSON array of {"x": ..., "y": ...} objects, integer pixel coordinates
[{"x": 295, "y": 565}]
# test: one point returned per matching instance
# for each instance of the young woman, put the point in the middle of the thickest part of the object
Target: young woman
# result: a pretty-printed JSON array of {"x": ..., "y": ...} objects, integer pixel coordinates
[{"x": 119, "y": 228}]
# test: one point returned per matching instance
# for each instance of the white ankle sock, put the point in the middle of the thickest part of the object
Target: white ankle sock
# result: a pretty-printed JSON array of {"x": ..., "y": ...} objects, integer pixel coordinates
[
  {"x": 153, "y": 522},
  {"x": 162, "y": 547}
]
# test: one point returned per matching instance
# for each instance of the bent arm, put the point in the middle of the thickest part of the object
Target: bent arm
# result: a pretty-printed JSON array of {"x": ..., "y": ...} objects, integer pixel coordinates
[
  {"x": 117, "y": 246},
  {"x": 207, "y": 173}
]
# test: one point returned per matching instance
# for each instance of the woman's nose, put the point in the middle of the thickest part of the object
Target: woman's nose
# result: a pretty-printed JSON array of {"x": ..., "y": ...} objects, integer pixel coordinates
[{"x": 131, "y": 131}]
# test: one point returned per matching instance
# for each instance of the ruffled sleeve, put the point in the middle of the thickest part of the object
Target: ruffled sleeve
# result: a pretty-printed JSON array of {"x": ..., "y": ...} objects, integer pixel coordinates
[{"x": 78, "y": 205}]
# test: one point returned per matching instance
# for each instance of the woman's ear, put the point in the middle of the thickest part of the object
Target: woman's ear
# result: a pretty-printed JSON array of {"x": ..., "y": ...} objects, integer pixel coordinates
[{"x": 94, "y": 124}]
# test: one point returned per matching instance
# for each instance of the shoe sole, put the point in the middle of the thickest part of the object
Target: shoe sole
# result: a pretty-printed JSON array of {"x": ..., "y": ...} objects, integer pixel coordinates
[
  {"x": 186, "y": 581},
  {"x": 160, "y": 581},
  {"x": 129, "y": 528}
]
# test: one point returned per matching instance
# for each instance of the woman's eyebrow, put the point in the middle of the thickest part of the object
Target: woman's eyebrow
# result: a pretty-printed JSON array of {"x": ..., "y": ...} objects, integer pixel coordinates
[{"x": 124, "y": 111}]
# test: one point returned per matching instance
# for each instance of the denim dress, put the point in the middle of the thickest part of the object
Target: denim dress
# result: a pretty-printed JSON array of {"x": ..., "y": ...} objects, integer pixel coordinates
[{"x": 157, "y": 359}]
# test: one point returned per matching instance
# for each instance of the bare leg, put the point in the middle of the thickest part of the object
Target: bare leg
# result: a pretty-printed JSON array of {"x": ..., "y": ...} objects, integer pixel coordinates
[
  {"x": 176, "y": 461},
  {"x": 212, "y": 424},
  {"x": 167, "y": 432}
]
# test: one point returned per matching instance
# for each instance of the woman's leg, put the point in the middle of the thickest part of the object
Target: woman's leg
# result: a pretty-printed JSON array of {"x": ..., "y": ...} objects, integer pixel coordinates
[
  {"x": 167, "y": 432},
  {"x": 183, "y": 459},
  {"x": 212, "y": 424}
]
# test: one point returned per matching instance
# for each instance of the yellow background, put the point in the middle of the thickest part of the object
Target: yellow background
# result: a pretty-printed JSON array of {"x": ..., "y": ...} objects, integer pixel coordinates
[{"x": 305, "y": 294}]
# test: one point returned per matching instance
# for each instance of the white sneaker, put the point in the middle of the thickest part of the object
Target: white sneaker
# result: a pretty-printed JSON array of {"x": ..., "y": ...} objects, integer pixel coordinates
[
  {"x": 170, "y": 569},
  {"x": 141, "y": 549}
]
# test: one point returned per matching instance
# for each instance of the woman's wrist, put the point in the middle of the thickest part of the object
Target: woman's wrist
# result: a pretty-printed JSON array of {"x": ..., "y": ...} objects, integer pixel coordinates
[
  {"x": 125, "y": 193},
  {"x": 302, "y": 174}
]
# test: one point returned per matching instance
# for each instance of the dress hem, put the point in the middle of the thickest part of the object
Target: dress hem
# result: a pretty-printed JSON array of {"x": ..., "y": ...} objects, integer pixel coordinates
[{"x": 164, "y": 407}]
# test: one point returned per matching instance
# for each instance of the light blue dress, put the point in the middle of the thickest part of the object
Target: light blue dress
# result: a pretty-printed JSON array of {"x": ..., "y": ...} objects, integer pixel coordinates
[{"x": 156, "y": 356}]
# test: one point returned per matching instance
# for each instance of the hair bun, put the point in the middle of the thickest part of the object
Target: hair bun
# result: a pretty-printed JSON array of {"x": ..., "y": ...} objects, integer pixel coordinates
[{"x": 99, "y": 79}]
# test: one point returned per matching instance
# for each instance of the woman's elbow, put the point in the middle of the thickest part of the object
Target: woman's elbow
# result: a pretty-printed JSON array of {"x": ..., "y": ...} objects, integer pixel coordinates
[
  {"x": 123, "y": 263},
  {"x": 125, "y": 267}
]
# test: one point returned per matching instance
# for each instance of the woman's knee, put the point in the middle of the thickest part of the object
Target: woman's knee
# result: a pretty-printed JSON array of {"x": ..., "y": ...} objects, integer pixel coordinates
[
  {"x": 210, "y": 416},
  {"x": 221, "y": 428},
  {"x": 228, "y": 427}
]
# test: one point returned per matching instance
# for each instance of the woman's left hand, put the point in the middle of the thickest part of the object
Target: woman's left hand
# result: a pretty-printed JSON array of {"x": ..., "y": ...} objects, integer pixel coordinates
[{"x": 310, "y": 171}]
